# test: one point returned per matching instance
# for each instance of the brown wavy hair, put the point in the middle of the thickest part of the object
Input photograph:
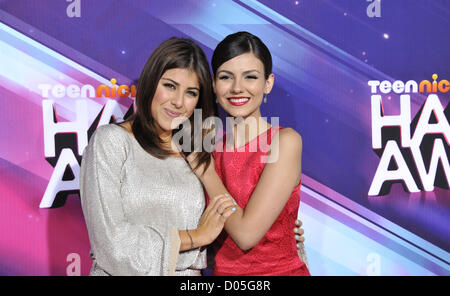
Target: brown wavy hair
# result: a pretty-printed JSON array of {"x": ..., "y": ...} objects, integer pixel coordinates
[{"x": 172, "y": 53}]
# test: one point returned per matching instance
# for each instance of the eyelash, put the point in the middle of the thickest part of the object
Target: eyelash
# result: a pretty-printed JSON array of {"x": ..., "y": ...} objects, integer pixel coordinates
[
  {"x": 228, "y": 77},
  {"x": 171, "y": 86}
]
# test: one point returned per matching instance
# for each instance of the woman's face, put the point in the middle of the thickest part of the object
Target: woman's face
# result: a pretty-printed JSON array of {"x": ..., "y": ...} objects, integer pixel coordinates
[
  {"x": 240, "y": 85},
  {"x": 175, "y": 98}
]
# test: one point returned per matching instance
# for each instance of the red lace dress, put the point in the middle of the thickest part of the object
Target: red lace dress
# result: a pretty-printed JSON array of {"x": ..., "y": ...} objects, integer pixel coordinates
[{"x": 276, "y": 253}]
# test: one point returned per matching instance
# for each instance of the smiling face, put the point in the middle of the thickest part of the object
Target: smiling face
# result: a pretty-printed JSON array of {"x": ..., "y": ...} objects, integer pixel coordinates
[
  {"x": 175, "y": 98},
  {"x": 240, "y": 85}
]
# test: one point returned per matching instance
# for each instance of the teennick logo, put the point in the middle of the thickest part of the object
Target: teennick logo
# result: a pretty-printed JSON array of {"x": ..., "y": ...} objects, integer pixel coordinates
[
  {"x": 411, "y": 86},
  {"x": 88, "y": 91}
]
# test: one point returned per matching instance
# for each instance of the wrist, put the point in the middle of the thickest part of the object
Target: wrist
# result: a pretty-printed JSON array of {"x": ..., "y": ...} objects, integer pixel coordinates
[
  {"x": 192, "y": 246},
  {"x": 198, "y": 238}
]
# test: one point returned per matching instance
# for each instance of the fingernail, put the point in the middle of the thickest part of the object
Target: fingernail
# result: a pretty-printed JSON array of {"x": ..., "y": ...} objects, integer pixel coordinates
[
  {"x": 226, "y": 194},
  {"x": 295, "y": 229},
  {"x": 298, "y": 245},
  {"x": 234, "y": 209},
  {"x": 297, "y": 237}
]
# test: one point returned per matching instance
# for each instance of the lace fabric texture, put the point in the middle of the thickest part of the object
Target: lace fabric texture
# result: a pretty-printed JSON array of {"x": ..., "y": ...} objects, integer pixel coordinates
[{"x": 276, "y": 253}]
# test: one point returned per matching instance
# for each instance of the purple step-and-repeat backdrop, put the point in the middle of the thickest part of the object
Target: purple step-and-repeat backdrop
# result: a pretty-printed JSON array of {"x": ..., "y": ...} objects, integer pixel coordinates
[{"x": 365, "y": 82}]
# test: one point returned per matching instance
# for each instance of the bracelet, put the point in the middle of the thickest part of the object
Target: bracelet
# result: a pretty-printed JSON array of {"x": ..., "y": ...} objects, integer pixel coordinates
[{"x": 192, "y": 242}]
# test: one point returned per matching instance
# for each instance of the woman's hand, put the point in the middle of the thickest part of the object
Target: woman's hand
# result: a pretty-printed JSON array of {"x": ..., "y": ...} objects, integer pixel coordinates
[
  {"x": 299, "y": 233},
  {"x": 300, "y": 239},
  {"x": 213, "y": 219}
]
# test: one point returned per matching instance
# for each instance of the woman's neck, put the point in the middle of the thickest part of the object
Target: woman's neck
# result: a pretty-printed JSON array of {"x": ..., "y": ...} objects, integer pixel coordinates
[
  {"x": 248, "y": 129},
  {"x": 166, "y": 138},
  {"x": 166, "y": 142}
]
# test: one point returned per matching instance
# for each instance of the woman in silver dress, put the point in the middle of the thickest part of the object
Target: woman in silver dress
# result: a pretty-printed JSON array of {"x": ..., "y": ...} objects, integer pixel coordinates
[{"x": 144, "y": 207}]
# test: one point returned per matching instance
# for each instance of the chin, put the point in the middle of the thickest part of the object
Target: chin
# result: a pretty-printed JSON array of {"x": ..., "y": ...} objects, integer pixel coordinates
[
  {"x": 239, "y": 113},
  {"x": 164, "y": 126}
]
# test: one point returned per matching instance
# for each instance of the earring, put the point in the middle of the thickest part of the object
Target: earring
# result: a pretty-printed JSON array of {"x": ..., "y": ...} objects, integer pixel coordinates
[{"x": 265, "y": 98}]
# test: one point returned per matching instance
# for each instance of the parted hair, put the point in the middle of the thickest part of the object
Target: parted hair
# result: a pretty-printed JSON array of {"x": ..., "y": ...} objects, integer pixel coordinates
[
  {"x": 171, "y": 54},
  {"x": 239, "y": 43}
]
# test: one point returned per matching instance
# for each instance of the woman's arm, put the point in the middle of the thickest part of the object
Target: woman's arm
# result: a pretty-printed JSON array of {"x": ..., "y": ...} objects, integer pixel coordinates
[
  {"x": 211, "y": 224},
  {"x": 274, "y": 188},
  {"x": 119, "y": 247}
]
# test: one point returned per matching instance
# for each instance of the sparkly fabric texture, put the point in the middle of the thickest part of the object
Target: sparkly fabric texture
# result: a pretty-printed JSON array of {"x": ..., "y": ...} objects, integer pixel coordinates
[
  {"x": 134, "y": 204},
  {"x": 276, "y": 253}
]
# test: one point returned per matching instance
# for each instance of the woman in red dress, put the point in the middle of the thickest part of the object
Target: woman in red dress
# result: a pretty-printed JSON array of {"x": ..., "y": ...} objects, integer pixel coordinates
[{"x": 258, "y": 164}]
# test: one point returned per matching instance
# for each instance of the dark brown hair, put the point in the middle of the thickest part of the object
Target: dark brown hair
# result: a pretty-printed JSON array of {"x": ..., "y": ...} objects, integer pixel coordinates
[
  {"x": 173, "y": 53},
  {"x": 239, "y": 43}
]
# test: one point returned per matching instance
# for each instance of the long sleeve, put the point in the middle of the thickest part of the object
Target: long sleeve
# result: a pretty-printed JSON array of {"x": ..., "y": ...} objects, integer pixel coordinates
[{"x": 120, "y": 247}]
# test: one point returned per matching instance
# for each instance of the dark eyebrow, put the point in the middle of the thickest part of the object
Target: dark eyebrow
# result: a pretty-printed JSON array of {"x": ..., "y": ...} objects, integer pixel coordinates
[
  {"x": 245, "y": 72},
  {"x": 228, "y": 72},
  {"x": 173, "y": 81},
  {"x": 249, "y": 71},
  {"x": 177, "y": 84}
]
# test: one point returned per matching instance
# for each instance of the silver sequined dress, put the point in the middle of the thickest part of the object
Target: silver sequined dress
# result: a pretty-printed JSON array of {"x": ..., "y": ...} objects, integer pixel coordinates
[{"x": 134, "y": 204}]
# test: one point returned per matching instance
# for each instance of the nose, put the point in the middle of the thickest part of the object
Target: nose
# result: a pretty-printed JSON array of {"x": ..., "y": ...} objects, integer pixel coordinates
[
  {"x": 236, "y": 87},
  {"x": 177, "y": 100}
]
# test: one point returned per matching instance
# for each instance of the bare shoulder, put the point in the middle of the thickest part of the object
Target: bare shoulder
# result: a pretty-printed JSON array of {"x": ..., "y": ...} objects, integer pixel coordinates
[
  {"x": 286, "y": 146},
  {"x": 290, "y": 139}
]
